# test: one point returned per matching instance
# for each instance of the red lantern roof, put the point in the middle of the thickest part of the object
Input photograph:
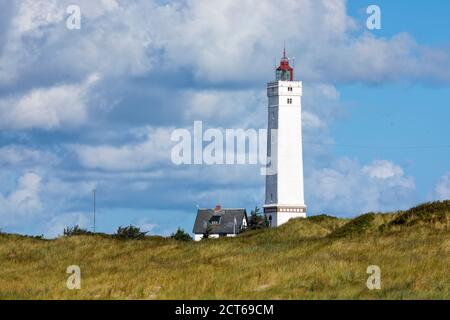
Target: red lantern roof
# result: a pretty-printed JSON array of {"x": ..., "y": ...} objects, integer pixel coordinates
[{"x": 284, "y": 66}]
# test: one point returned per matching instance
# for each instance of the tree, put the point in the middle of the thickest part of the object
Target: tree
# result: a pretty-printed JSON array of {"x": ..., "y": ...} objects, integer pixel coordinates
[
  {"x": 257, "y": 220},
  {"x": 181, "y": 235},
  {"x": 207, "y": 233},
  {"x": 75, "y": 231},
  {"x": 130, "y": 232}
]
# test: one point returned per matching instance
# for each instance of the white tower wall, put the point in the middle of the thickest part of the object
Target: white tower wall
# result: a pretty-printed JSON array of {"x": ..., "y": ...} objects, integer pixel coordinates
[{"x": 284, "y": 188}]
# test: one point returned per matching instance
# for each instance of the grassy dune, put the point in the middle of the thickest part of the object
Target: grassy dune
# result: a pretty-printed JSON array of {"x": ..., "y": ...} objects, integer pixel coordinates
[{"x": 315, "y": 258}]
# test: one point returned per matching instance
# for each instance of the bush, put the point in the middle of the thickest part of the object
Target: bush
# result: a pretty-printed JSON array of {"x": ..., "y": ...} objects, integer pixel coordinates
[
  {"x": 130, "y": 232},
  {"x": 321, "y": 218},
  {"x": 207, "y": 233},
  {"x": 76, "y": 231},
  {"x": 257, "y": 220},
  {"x": 356, "y": 226},
  {"x": 428, "y": 213},
  {"x": 181, "y": 235},
  {"x": 37, "y": 237}
]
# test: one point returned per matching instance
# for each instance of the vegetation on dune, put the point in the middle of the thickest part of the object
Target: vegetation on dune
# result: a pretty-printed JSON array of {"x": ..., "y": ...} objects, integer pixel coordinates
[
  {"x": 181, "y": 235},
  {"x": 130, "y": 232},
  {"x": 356, "y": 226},
  {"x": 75, "y": 231},
  {"x": 315, "y": 258},
  {"x": 327, "y": 222},
  {"x": 436, "y": 213},
  {"x": 257, "y": 220},
  {"x": 36, "y": 237},
  {"x": 321, "y": 218}
]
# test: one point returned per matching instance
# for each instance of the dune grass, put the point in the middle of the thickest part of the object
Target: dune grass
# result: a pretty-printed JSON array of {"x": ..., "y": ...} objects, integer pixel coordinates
[{"x": 314, "y": 258}]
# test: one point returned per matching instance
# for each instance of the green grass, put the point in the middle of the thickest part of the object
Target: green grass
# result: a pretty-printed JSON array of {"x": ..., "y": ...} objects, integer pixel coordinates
[{"x": 315, "y": 258}]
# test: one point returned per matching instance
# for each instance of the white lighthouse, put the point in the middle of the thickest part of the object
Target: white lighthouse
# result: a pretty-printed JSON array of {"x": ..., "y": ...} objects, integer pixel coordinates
[{"x": 284, "y": 181}]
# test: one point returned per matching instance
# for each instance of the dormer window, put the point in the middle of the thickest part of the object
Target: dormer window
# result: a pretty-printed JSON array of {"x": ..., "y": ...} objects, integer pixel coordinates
[{"x": 214, "y": 220}]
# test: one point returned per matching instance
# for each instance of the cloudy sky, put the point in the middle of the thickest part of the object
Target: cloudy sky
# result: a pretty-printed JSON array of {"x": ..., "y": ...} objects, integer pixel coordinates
[{"x": 95, "y": 107}]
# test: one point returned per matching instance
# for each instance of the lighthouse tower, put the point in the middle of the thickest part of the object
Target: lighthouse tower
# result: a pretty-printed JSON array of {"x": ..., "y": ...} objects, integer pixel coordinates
[{"x": 284, "y": 179}]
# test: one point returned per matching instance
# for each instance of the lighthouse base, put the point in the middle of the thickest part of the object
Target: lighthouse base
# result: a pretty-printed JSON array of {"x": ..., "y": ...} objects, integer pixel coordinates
[{"x": 280, "y": 214}]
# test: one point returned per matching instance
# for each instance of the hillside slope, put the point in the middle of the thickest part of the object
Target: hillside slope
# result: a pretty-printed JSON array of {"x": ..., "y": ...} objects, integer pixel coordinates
[{"x": 319, "y": 257}]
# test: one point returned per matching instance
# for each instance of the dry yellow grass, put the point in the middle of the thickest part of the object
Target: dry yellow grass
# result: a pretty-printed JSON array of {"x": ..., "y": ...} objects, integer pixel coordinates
[{"x": 299, "y": 260}]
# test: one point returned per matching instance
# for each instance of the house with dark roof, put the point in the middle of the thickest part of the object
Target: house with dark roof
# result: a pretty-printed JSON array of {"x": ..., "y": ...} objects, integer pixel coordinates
[{"x": 219, "y": 222}]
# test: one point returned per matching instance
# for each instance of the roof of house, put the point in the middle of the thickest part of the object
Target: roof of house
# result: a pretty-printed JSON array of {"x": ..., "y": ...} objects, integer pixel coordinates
[{"x": 221, "y": 221}]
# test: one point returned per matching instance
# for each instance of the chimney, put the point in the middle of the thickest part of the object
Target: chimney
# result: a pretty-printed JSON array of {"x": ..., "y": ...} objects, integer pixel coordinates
[{"x": 218, "y": 207}]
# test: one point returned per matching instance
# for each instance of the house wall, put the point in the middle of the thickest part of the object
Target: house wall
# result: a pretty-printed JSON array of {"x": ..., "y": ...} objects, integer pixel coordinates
[{"x": 198, "y": 237}]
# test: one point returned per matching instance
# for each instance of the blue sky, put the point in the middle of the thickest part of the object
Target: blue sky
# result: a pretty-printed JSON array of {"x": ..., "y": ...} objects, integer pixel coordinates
[{"x": 95, "y": 107}]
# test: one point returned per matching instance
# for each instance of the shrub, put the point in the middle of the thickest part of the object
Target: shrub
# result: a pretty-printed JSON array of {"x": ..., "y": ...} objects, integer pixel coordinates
[
  {"x": 355, "y": 226},
  {"x": 208, "y": 231},
  {"x": 432, "y": 212},
  {"x": 130, "y": 232},
  {"x": 181, "y": 235},
  {"x": 257, "y": 220},
  {"x": 37, "y": 237},
  {"x": 321, "y": 218},
  {"x": 76, "y": 231}
]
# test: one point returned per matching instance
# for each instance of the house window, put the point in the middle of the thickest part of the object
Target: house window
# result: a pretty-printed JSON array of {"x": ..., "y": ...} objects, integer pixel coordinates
[
  {"x": 289, "y": 88},
  {"x": 289, "y": 100},
  {"x": 215, "y": 219}
]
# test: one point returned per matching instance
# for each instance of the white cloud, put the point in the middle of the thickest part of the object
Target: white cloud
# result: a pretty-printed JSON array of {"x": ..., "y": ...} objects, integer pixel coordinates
[
  {"x": 216, "y": 40},
  {"x": 47, "y": 108},
  {"x": 146, "y": 226},
  {"x": 221, "y": 40},
  {"x": 56, "y": 225},
  {"x": 63, "y": 188},
  {"x": 19, "y": 155},
  {"x": 372, "y": 59},
  {"x": 442, "y": 188},
  {"x": 33, "y": 15},
  {"x": 349, "y": 188},
  {"x": 224, "y": 40},
  {"x": 382, "y": 169},
  {"x": 247, "y": 108},
  {"x": 155, "y": 149},
  {"x": 113, "y": 40},
  {"x": 23, "y": 201},
  {"x": 29, "y": 23},
  {"x": 37, "y": 200},
  {"x": 223, "y": 107},
  {"x": 311, "y": 121}
]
